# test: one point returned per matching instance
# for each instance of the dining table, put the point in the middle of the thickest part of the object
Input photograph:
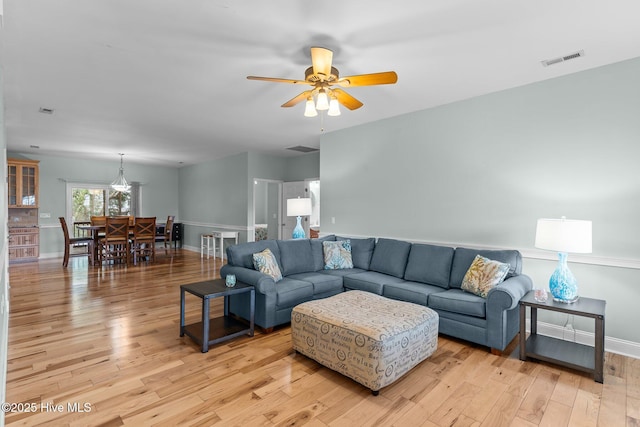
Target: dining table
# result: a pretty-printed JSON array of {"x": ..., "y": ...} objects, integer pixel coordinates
[{"x": 96, "y": 232}]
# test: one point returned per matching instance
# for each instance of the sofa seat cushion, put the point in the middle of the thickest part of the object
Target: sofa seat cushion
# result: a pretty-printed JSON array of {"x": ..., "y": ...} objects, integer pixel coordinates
[
  {"x": 296, "y": 256},
  {"x": 322, "y": 283},
  {"x": 343, "y": 272},
  {"x": 415, "y": 292},
  {"x": 370, "y": 281},
  {"x": 291, "y": 292},
  {"x": 458, "y": 301},
  {"x": 390, "y": 257},
  {"x": 429, "y": 264}
]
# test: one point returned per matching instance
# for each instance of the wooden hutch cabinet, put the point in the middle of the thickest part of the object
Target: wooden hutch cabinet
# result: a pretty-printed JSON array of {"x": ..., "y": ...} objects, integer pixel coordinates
[
  {"x": 22, "y": 193},
  {"x": 22, "y": 178}
]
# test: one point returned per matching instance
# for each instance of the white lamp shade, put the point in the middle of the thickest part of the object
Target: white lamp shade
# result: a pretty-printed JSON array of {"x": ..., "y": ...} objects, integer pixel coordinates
[
  {"x": 334, "y": 108},
  {"x": 298, "y": 207},
  {"x": 310, "y": 108},
  {"x": 323, "y": 101},
  {"x": 564, "y": 235}
]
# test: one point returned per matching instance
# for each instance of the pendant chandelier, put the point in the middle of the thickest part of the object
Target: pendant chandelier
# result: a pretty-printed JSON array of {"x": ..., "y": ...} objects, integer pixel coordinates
[{"x": 120, "y": 184}]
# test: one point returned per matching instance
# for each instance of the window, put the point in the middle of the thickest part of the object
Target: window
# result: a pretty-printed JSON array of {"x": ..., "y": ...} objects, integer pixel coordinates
[{"x": 87, "y": 200}]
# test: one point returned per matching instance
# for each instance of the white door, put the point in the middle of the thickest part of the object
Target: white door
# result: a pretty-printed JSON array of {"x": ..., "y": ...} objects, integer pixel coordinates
[{"x": 292, "y": 190}]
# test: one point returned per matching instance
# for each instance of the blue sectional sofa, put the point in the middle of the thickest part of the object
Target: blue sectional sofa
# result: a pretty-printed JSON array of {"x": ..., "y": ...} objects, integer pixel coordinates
[{"x": 424, "y": 274}]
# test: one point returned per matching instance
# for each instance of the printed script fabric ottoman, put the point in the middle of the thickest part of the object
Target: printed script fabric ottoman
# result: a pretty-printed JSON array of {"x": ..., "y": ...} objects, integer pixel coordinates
[{"x": 369, "y": 338}]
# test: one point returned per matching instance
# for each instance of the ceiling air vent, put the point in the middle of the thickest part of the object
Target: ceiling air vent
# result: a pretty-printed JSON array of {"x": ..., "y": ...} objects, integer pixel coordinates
[
  {"x": 554, "y": 61},
  {"x": 302, "y": 149}
]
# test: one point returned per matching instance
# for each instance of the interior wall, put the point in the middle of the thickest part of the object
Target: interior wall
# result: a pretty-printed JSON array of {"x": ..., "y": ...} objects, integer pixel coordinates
[
  {"x": 4, "y": 259},
  {"x": 302, "y": 167},
  {"x": 482, "y": 171},
  {"x": 213, "y": 195}
]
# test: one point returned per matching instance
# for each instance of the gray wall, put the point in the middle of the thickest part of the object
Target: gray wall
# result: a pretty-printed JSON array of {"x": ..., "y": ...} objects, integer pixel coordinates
[
  {"x": 482, "y": 171},
  {"x": 219, "y": 194},
  {"x": 4, "y": 259},
  {"x": 159, "y": 190}
]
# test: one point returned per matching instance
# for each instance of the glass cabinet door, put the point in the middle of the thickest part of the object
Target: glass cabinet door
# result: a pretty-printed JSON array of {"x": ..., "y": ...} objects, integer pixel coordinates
[
  {"x": 12, "y": 179},
  {"x": 28, "y": 193},
  {"x": 22, "y": 183}
]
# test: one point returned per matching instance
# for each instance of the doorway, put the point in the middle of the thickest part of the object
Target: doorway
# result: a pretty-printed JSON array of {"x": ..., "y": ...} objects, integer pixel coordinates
[
  {"x": 309, "y": 188},
  {"x": 267, "y": 196}
]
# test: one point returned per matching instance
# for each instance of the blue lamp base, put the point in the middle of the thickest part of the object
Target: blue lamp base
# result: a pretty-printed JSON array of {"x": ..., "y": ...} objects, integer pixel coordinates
[
  {"x": 298, "y": 232},
  {"x": 562, "y": 284}
]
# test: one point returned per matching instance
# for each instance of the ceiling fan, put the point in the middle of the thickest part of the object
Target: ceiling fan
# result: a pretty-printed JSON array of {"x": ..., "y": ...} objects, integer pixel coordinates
[{"x": 322, "y": 76}]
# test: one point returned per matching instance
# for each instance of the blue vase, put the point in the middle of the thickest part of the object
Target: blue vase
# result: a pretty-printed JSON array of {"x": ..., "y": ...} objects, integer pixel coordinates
[
  {"x": 298, "y": 232},
  {"x": 562, "y": 284}
]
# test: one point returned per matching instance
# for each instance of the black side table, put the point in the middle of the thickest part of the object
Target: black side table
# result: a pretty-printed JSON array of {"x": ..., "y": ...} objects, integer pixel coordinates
[
  {"x": 570, "y": 354},
  {"x": 212, "y": 331}
]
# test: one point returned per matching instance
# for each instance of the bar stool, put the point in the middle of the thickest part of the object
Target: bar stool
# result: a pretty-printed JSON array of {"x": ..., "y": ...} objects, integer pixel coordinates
[{"x": 208, "y": 242}]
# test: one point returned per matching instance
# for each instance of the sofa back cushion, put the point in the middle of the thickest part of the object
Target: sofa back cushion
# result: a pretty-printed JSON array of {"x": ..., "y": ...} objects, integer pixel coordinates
[
  {"x": 361, "y": 251},
  {"x": 429, "y": 264},
  {"x": 463, "y": 258},
  {"x": 242, "y": 255},
  {"x": 390, "y": 257},
  {"x": 318, "y": 252},
  {"x": 296, "y": 256}
]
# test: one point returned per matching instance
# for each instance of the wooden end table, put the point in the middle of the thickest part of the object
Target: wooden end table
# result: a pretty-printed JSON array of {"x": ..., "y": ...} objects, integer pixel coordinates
[
  {"x": 565, "y": 353},
  {"x": 212, "y": 331}
]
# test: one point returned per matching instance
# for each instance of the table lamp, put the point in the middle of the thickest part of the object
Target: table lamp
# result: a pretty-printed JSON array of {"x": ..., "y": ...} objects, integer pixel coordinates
[
  {"x": 564, "y": 236},
  {"x": 298, "y": 208}
]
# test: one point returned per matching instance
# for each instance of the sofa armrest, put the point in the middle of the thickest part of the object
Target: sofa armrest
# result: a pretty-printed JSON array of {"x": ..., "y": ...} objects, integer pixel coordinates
[
  {"x": 507, "y": 294},
  {"x": 263, "y": 283},
  {"x": 503, "y": 320}
]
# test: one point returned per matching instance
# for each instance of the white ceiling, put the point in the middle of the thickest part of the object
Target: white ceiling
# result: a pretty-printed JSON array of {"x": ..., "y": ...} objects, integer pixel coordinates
[{"x": 164, "y": 81}]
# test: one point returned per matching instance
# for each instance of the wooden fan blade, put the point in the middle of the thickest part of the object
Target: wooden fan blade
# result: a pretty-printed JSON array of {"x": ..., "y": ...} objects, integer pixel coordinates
[
  {"x": 298, "y": 99},
  {"x": 385, "y": 78},
  {"x": 277, "y": 80},
  {"x": 347, "y": 100},
  {"x": 321, "y": 60}
]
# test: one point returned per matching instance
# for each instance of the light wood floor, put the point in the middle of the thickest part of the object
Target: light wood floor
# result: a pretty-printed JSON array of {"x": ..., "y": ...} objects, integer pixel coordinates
[{"x": 108, "y": 338}]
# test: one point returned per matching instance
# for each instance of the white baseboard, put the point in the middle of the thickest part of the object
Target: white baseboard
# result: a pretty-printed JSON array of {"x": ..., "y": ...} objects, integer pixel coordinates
[{"x": 613, "y": 345}]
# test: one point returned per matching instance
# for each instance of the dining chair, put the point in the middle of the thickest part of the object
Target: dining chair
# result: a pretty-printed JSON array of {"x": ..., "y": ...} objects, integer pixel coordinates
[
  {"x": 144, "y": 239},
  {"x": 71, "y": 244},
  {"x": 115, "y": 243},
  {"x": 167, "y": 236}
]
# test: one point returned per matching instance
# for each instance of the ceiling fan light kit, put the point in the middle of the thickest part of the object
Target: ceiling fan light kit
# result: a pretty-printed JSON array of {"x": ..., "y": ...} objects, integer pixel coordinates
[
  {"x": 310, "y": 108},
  {"x": 322, "y": 76},
  {"x": 334, "y": 107},
  {"x": 322, "y": 103}
]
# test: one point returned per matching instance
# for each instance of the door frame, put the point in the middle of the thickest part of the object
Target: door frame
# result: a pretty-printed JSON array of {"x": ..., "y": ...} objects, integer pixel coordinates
[{"x": 251, "y": 233}]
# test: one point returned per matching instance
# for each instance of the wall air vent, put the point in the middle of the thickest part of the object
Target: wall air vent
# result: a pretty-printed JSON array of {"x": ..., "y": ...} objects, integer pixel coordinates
[
  {"x": 554, "y": 61},
  {"x": 303, "y": 149}
]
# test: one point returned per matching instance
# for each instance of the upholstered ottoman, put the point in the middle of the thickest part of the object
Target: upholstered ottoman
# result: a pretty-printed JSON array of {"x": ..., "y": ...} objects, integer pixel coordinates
[{"x": 369, "y": 338}]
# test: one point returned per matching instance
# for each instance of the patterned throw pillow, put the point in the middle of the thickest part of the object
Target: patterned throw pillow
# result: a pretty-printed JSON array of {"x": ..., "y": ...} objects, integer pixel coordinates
[
  {"x": 484, "y": 274},
  {"x": 266, "y": 263},
  {"x": 337, "y": 255}
]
